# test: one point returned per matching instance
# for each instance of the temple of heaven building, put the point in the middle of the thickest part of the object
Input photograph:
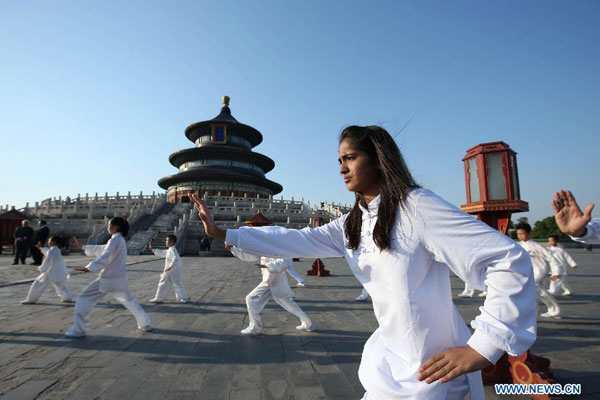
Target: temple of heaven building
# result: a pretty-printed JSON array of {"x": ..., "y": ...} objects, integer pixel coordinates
[{"x": 221, "y": 161}]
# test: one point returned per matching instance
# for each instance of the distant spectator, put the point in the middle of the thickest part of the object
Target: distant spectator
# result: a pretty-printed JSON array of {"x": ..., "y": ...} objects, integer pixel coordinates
[
  {"x": 39, "y": 240},
  {"x": 23, "y": 238},
  {"x": 205, "y": 243}
]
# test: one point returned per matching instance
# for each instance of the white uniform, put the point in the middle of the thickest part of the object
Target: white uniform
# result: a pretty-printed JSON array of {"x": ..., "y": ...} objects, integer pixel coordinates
[
  {"x": 410, "y": 288},
  {"x": 173, "y": 277},
  {"x": 540, "y": 258},
  {"x": 469, "y": 292},
  {"x": 292, "y": 272},
  {"x": 274, "y": 284},
  {"x": 53, "y": 270},
  {"x": 111, "y": 263},
  {"x": 564, "y": 261},
  {"x": 592, "y": 234}
]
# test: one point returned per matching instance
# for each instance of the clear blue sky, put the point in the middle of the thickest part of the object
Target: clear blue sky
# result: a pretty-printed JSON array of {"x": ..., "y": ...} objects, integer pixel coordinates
[{"x": 94, "y": 96}]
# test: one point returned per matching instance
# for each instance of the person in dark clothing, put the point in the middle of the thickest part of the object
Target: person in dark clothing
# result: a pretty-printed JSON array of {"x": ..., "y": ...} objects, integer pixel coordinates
[
  {"x": 40, "y": 237},
  {"x": 205, "y": 243},
  {"x": 23, "y": 238}
]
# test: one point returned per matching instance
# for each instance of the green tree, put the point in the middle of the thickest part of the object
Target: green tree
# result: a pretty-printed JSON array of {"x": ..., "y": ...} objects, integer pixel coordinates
[{"x": 546, "y": 227}]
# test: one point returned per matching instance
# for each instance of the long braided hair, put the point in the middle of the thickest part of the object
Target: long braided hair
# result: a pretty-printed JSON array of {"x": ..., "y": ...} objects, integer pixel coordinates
[{"x": 395, "y": 181}]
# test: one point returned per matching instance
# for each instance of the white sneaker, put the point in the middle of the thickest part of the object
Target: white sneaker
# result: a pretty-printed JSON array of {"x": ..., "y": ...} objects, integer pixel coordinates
[
  {"x": 184, "y": 301},
  {"x": 567, "y": 293},
  {"x": 548, "y": 314},
  {"x": 70, "y": 333},
  {"x": 361, "y": 298},
  {"x": 154, "y": 301},
  {"x": 147, "y": 328},
  {"x": 463, "y": 294},
  {"x": 300, "y": 284},
  {"x": 27, "y": 302},
  {"x": 305, "y": 327},
  {"x": 482, "y": 294},
  {"x": 250, "y": 331}
]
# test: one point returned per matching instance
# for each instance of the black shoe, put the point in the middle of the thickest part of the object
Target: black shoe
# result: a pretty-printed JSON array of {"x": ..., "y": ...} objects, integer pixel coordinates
[
  {"x": 34, "y": 263},
  {"x": 15, "y": 263}
]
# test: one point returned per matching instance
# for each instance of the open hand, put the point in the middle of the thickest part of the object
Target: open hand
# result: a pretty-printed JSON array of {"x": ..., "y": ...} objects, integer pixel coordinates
[
  {"x": 451, "y": 363},
  {"x": 207, "y": 220},
  {"x": 569, "y": 217},
  {"x": 554, "y": 277}
]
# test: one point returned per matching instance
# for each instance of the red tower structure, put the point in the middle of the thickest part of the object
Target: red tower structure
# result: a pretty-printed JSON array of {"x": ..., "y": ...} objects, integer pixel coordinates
[
  {"x": 492, "y": 182},
  {"x": 493, "y": 194}
]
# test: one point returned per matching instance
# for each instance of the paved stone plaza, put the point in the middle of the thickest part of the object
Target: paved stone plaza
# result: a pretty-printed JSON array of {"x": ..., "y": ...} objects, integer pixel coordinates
[{"x": 196, "y": 351}]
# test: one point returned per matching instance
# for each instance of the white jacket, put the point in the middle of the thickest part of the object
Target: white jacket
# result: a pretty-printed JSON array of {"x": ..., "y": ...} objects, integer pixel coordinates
[
  {"x": 592, "y": 234},
  {"x": 410, "y": 288},
  {"x": 53, "y": 268},
  {"x": 274, "y": 275},
  {"x": 111, "y": 262},
  {"x": 563, "y": 258},
  {"x": 540, "y": 258},
  {"x": 173, "y": 261}
]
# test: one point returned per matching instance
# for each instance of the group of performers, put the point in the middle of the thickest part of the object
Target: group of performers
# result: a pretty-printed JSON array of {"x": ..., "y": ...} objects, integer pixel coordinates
[
  {"x": 401, "y": 242},
  {"x": 549, "y": 264}
]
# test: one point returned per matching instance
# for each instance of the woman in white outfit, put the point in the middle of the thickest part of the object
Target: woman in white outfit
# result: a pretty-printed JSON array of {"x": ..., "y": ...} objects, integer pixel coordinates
[
  {"x": 274, "y": 285},
  {"x": 52, "y": 271},
  {"x": 111, "y": 263},
  {"x": 400, "y": 242}
]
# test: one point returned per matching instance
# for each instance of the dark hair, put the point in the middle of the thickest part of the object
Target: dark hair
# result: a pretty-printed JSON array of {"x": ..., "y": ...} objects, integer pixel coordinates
[
  {"x": 524, "y": 226},
  {"x": 60, "y": 241},
  {"x": 395, "y": 181},
  {"x": 43, "y": 222},
  {"x": 172, "y": 238},
  {"x": 555, "y": 237},
  {"x": 121, "y": 223}
]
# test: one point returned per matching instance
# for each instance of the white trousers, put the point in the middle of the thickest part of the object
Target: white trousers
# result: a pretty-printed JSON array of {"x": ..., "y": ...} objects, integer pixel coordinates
[
  {"x": 91, "y": 295},
  {"x": 163, "y": 288},
  {"x": 295, "y": 275},
  {"x": 469, "y": 291},
  {"x": 37, "y": 287},
  {"x": 560, "y": 283},
  {"x": 258, "y": 298},
  {"x": 546, "y": 297}
]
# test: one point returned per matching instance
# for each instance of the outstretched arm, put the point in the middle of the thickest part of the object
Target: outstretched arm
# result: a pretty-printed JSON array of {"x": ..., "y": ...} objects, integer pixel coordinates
[{"x": 278, "y": 242}]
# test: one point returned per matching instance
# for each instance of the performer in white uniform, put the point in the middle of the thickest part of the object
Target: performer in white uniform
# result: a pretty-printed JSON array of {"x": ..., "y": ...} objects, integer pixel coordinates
[
  {"x": 53, "y": 270},
  {"x": 274, "y": 285},
  {"x": 401, "y": 242},
  {"x": 564, "y": 261},
  {"x": 572, "y": 221},
  {"x": 111, "y": 263},
  {"x": 540, "y": 258},
  {"x": 172, "y": 274}
]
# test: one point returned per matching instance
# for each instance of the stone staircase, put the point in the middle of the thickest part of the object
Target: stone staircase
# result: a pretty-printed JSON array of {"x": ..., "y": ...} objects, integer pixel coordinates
[{"x": 165, "y": 225}]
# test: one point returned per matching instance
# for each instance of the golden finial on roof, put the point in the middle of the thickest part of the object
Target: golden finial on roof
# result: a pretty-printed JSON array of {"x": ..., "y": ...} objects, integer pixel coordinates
[{"x": 226, "y": 101}]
